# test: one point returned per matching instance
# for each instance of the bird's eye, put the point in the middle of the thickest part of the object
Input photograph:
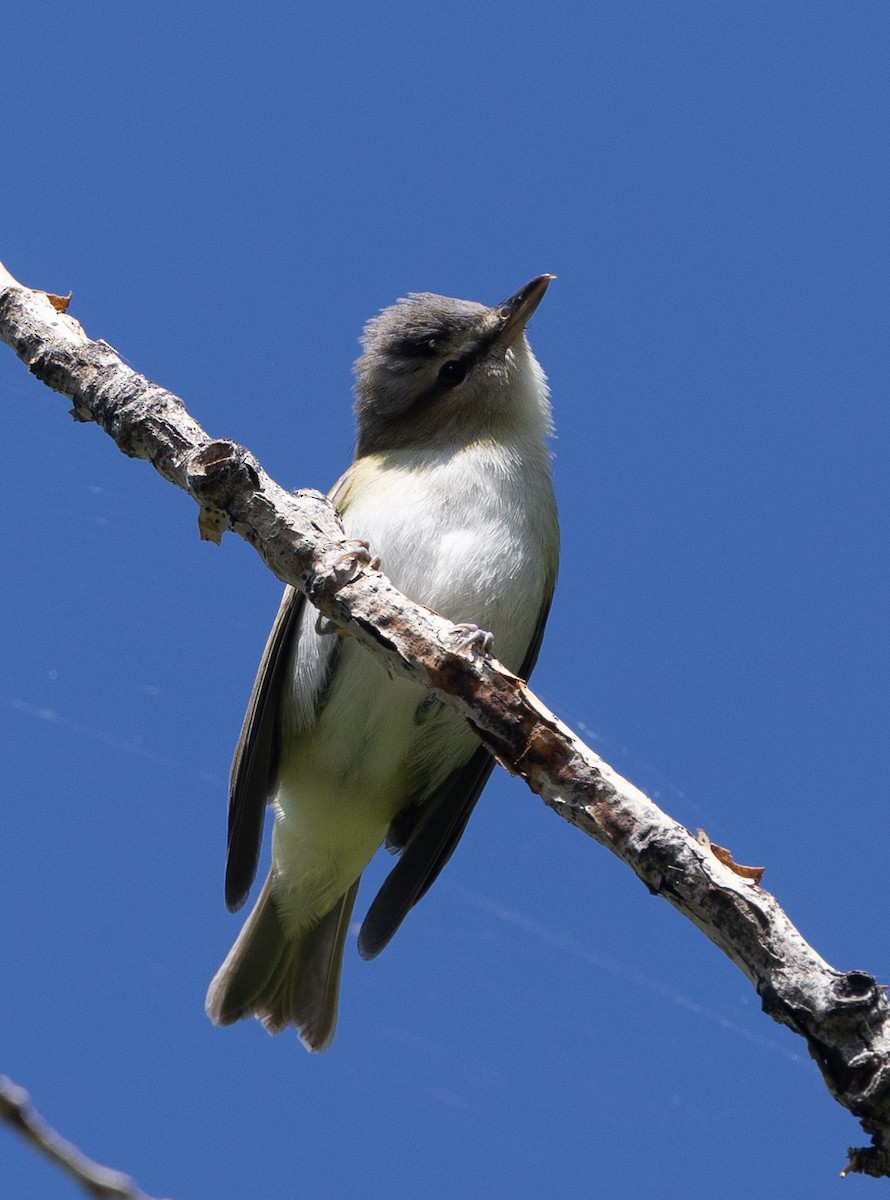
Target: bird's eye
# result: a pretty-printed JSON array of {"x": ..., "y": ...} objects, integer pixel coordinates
[{"x": 452, "y": 373}]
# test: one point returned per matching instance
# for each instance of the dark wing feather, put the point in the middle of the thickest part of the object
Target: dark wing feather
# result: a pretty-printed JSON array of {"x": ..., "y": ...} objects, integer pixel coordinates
[
  {"x": 436, "y": 830},
  {"x": 441, "y": 822},
  {"x": 254, "y": 767}
]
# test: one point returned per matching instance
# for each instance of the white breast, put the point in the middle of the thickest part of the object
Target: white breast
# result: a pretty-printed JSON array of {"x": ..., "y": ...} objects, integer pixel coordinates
[{"x": 471, "y": 534}]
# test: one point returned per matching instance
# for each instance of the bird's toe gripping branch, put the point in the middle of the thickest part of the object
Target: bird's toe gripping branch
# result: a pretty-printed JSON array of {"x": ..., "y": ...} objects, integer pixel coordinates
[{"x": 473, "y": 641}]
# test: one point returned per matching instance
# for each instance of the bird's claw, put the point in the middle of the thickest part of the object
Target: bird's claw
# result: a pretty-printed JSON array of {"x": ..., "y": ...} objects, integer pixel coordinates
[
  {"x": 356, "y": 557},
  {"x": 478, "y": 643}
]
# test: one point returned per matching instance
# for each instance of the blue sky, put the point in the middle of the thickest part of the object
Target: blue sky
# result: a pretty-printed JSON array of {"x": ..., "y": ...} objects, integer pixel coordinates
[{"x": 230, "y": 193}]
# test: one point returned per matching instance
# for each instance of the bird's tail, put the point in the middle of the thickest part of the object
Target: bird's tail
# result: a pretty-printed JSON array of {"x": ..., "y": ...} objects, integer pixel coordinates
[{"x": 284, "y": 980}]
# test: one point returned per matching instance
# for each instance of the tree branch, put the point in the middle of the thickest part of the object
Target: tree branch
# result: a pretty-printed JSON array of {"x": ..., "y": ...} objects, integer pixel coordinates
[
  {"x": 103, "y": 1182},
  {"x": 843, "y": 1016}
]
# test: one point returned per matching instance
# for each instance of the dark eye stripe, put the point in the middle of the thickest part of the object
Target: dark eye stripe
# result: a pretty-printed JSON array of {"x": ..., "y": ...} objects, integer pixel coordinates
[{"x": 425, "y": 345}]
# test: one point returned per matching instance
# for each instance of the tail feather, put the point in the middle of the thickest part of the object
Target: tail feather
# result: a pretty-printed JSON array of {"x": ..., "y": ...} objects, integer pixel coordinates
[{"x": 283, "y": 980}]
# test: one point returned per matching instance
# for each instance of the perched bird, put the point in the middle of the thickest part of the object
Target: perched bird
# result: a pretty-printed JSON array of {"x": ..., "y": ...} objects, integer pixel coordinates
[{"x": 451, "y": 488}]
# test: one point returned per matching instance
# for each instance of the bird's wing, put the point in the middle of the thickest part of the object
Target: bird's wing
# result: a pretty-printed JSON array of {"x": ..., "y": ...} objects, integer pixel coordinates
[
  {"x": 429, "y": 832},
  {"x": 255, "y": 765},
  {"x": 254, "y": 771}
]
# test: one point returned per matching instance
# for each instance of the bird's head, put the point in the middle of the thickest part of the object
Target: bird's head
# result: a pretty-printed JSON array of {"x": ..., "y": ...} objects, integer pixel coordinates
[{"x": 438, "y": 372}]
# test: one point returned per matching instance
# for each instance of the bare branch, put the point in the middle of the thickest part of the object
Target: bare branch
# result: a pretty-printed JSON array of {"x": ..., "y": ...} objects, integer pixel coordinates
[
  {"x": 843, "y": 1016},
  {"x": 16, "y": 1110}
]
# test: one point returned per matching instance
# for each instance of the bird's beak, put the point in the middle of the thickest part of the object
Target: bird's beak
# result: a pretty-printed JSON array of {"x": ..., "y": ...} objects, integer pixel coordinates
[{"x": 516, "y": 312}]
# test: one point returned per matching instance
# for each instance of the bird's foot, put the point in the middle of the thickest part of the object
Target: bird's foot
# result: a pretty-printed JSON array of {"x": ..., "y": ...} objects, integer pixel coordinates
[
  {"x": 475, "y": 642},
  {"x": 346, "y": 568},
  {"x": 356, "y": 557}
]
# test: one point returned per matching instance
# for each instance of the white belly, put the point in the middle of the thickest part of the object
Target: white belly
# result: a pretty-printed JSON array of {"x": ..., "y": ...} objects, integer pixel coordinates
[{"x": 461, "y": 537}]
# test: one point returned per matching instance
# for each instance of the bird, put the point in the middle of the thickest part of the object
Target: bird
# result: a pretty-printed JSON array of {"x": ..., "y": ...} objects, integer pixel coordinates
[{"x": 451, "y": 487}]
